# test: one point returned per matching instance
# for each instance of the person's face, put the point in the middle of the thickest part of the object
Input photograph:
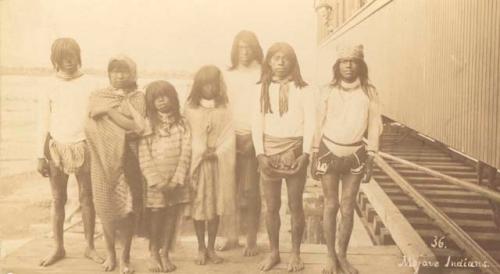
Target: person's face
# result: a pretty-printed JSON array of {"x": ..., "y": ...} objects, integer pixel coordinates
[
  {"x": 245, "y": 53},
  {"x": 120, "y": 78},
  {"x": 209, "y": 91},
  {"x": 349, "y": 69},
  {"x": 69, "y": 63},
  {"x": 162, "y": 104},
  {"x": 280, "y": 64}
]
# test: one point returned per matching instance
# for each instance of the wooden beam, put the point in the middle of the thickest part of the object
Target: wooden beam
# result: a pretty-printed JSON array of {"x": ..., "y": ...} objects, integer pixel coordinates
[
  {"x": 403, "y": 234},
  {"x": 457, "y": 234}
]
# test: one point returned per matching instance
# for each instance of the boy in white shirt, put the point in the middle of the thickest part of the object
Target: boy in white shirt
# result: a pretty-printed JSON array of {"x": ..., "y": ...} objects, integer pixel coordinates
[
  {"x": 348, "y": 108},
  {"x": 241, "y": 79},
  {"x": 62, "y": 149},
  {"x": 282, "y": 134}
]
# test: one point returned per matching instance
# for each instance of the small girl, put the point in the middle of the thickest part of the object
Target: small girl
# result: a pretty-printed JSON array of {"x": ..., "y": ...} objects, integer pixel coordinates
[
  {"x": 164, "y": 157},
  {"x": 213, "y": 158}
]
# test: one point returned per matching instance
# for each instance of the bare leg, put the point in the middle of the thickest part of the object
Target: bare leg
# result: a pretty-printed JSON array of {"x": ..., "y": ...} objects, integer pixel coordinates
[
  {"x": 157, "y": 220},
  {"x": 295, "y": 186},
  {"x": 271, "y": 190},
  {"x": 88, "y": 215},
  {"x": 231, "y": 231},
  {"x": 330, "y": 182},
  {"x": 109, "y": 237},
  {"x": 58, "y": 184},
  {"x": 350, "y": 187},
  {"x": 127, "y": 233},
  {"x": 170, "y": 230},
  {"x": 199, "y": 227},
  {"x": 253, "y": 218},
  {"x": 213, "y": 226}
]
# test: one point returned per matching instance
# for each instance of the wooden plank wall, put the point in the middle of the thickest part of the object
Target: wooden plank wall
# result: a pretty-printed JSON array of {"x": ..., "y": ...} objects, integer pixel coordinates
[{"x": 436, "y": 65}]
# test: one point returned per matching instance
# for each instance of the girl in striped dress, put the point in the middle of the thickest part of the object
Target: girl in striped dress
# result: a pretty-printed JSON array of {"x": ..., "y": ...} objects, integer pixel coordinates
[{"x": 164, "y": 156}]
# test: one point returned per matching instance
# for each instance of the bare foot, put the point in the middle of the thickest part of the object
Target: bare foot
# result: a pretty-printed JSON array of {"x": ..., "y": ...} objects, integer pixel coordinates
[
  {"x": 125, "y": 267},
  {"x": 213, "y": 257},
  {"x": 155, "y": 263},
  {"x": 227, "y": 244},
  {"x": 295, "y": 263},
  {"x": 346, "y": 266},
  {"x": 202, "y": 257},
  {"x": 168, "y": 266},
  {"x": 331, "y": 266},
  {"x": 250, "y": 251},
  {"x": 109, "y": 264},
  {"x": 269, "y": 262},
  {"x": 57, "y": 255},
  {"x": 90, "y": 253}
]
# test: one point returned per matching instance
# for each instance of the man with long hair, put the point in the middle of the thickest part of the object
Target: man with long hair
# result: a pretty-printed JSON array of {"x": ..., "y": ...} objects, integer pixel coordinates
[
  {"x": 62, "y": 148},
  {"x": 241, "y": 79},
  {"x": 282, "y": 132},
  {"x": 348, "y": 109}
]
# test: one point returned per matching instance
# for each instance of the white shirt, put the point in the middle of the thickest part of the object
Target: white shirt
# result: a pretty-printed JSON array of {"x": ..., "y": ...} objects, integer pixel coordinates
[
  {"x": 299, "y": 121},
  {"x": 63, "y": 111},
  {"x": 347, "y": 116},
  {"x": 243, "y": 91}
]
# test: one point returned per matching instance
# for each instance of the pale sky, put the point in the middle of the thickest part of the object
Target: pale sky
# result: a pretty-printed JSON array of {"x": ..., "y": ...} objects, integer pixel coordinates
[{"x": 169, "y": 34}]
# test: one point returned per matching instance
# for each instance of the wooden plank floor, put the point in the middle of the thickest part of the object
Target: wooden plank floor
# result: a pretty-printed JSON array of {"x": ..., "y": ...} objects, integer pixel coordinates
[{"x": 370, "y": 259}]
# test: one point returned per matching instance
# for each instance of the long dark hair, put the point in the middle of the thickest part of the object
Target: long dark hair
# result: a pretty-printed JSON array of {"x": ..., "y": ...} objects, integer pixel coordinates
[
  {"x": 251, "y": 39},
  {"x": 206, "y": 75},
  {"x": 366, "y": 85},
  {"x": 267, "y": 73},
  {"x": 162, "y": 88},
  {"x": 63, "y": 46}
]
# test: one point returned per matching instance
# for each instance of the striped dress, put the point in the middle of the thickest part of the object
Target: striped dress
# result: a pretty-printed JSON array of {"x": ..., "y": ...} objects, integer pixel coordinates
[{"x": 164, "y": 158}]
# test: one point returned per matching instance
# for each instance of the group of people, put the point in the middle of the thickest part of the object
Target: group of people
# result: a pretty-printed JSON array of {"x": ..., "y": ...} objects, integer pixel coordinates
[{"x": 142, "y": 162}]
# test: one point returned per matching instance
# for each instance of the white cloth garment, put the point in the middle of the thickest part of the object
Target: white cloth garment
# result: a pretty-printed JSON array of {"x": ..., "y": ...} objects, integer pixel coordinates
[
  {"x": 298, "y": 121},
  {"x": 243, "y": 91},
  {"x": 63, "y": 111}
]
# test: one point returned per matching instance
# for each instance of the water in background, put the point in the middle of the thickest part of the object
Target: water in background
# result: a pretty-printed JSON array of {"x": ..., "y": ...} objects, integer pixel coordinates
[{"x": 18, "y": 112}]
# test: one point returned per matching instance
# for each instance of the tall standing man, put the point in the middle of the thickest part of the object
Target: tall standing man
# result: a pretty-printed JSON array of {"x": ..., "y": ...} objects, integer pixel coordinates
[
  {"x": 282, "y": 133},
  {"x": 348, "y": 109},
  {"x": 62, "y": 148},
  {"x": 241, "y": 79}
]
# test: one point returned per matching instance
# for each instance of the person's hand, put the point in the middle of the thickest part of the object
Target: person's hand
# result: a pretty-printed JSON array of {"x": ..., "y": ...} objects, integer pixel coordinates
[
  {"x": 314, "y": 161},
  {"x": 209, "y": 154},
  {"x": 368, "y": 169},
  {"x": 300, "y": 163},
  {"x": 264, "y": 164},
  {"x": 43, "y": 167}
]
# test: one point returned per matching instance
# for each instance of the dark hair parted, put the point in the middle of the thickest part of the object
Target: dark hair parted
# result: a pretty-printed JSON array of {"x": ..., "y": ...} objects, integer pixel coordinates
[
  {"x": 158, "y": 89},
  {"x": 61, "y": 47},
  {"x": 267, "y": 73},
  {"x": 124, "y": 65},
  {"x": 366, "y": 85},
  {"x": 208, "y": 74},
  {"x": 249, "y": 38}
]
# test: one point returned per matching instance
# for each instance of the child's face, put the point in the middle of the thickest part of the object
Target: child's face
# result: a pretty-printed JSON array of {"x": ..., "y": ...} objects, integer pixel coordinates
[
  {"x": 120, "y": 78},
  {"x": 348, "y": 69},
  {"x": 162, "y": 104},
  {"x": 209, "y": 91},
  {"x": 69, "y": 63}
]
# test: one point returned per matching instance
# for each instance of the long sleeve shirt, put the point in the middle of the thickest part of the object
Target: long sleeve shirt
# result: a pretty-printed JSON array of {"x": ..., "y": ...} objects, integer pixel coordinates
[
  {"x": 242, "y": 88},
  {"x": 298, "y": 121},
  {"x": 62, "y": 111},
  {"x": 345, "y": 116}
]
